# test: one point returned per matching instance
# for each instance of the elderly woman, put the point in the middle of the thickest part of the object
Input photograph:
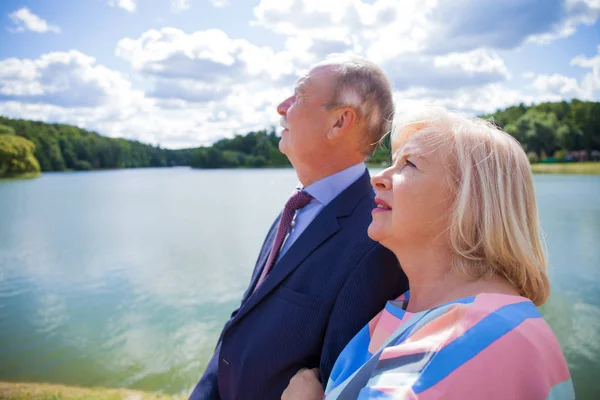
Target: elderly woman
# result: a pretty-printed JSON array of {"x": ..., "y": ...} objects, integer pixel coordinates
[{"x": 458, "y": 209}]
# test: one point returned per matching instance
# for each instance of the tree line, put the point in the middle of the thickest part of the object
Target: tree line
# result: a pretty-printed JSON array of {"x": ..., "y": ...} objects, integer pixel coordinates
[
  {"x": 546, "y": 131},
  {"x": 562, "y": 131},
  {"x": 60, "y": 147},
  {"x": 253, "y": 150}
]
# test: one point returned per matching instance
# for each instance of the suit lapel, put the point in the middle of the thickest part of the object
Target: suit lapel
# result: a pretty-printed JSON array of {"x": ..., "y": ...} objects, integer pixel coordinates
[
  {"x": 320, "y": 229},
  {"x": 262, "y": 258}
]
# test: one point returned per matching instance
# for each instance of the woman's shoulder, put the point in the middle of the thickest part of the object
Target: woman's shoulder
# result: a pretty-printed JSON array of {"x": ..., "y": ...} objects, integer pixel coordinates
[
  {"x": 490, "y": 328},
  {"x": 488, "y": 311},
  {"x": 501, "y": 319},
  {"x": 498, "y": 343},
  {"x": 503, "y": 310}
]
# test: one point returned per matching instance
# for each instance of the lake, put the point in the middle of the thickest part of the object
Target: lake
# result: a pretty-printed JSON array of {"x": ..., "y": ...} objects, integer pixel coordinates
[{"x": 125, "y": 278}]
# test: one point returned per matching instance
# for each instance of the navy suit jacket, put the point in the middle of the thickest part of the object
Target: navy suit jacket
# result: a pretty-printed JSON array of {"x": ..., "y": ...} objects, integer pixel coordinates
[{"x": 323, "y": 290}]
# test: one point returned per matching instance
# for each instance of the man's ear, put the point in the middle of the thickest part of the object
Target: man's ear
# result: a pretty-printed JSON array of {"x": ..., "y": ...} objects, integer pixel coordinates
[{"x": 344, "y": 122}]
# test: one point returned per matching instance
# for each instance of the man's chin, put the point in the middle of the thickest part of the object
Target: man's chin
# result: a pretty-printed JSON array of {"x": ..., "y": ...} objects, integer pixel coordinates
[{"x": 283, "y": 145}]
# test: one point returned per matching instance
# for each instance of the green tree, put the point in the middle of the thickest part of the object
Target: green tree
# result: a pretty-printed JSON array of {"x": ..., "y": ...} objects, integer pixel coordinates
[
  {"x": 6, "y": 130},
  {"x": 549, "y": 127},
  {"x": 533, "y": 157},
  {"x": 16, "y": 156}
]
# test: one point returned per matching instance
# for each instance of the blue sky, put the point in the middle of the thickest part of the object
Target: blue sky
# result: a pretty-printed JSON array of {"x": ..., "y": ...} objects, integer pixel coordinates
[{"x": 183, "y": 73}]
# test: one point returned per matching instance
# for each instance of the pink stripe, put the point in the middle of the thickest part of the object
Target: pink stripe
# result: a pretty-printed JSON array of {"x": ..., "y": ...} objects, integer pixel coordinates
[
  {"x": 447, "y": 327},
  {"x": 523, "y": 364},
  {"x": 484, "y": 305},
  {"x": 386, "y": 325},
  {"x": 494, "y": 301},
  {"x": 373, "y": 323}
]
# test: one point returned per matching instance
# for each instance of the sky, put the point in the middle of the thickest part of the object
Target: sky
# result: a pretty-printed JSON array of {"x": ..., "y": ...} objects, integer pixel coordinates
[{"x": 185, "y": 73}]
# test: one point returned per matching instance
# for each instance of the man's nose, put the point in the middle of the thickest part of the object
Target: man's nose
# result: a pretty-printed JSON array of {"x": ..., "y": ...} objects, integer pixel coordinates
[{"x": 283, "y": 106}]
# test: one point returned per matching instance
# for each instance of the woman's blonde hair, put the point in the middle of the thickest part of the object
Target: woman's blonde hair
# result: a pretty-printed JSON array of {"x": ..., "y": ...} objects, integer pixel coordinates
[{"x": 494, "y": 227}]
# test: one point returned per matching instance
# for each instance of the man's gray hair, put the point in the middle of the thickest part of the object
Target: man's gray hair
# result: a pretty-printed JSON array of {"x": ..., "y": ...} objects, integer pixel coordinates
[{"x": 363, "y": 86}]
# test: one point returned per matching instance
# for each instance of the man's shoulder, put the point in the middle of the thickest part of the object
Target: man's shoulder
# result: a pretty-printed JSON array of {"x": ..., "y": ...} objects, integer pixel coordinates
[{"x": 360, "y": 216}]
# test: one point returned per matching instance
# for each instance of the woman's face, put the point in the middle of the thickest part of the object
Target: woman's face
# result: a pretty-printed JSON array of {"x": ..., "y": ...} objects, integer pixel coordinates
[{"x": 413, "y": 195}]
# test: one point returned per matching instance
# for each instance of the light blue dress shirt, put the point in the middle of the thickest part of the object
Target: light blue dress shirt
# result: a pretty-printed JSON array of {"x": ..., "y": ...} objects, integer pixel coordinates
[{"x": 322, "y": 191}]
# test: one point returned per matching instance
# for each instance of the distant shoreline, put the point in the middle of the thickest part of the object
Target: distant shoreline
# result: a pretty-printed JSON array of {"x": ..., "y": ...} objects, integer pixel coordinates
[
  {"x": 43, "y": 391},
  {"x": 572, "y": 168},
  {"x": 30, "y": 175},
  {"x": 575, "y": 168}
]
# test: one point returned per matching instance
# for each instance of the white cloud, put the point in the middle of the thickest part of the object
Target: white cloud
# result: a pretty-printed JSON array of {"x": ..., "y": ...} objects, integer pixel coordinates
[
  {"x": 201, "y": 66},
  {"x": 445, "y": 73},
  {"x": 485, "y": 99},
  {"x": 25, "y": 20},
  {"x": 558, "y": 86},
  {"x": 473, "y": 62},
  {"x": 210, "y": 57},
  {"x": 575, "y": 12},
  {"x": 219, "y": 3},
  {"x": 591, "y": 81},
  {"x": 72, "y": 88},
  {"x": 129, "y": 5},
  {"x": 213, "y": 85},
  {"x": 66, "y": 79},
  {"x": 205, "y": 85},
  {"x": 69, "y": 87},
  {"x": 180, "y": 5},
  {"x": 428, "y": 26},
  {"x": 335, "y": 19}
]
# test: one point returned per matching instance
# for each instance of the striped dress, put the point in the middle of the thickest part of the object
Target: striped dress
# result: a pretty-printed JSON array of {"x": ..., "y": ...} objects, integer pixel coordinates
[{"x": 490, "y": 346}]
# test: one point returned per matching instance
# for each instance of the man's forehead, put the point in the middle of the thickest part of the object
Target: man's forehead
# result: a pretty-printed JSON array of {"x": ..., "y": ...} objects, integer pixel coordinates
[
  {"x": 301, "y": 81},
  {"x": 314, "y": 74}
]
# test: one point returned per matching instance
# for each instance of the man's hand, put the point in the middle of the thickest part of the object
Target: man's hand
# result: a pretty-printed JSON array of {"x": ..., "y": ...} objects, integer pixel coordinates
[{"x": 305, "y": 385}]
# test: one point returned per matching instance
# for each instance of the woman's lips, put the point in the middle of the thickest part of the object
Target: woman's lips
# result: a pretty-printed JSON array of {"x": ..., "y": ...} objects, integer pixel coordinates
[{"x": 382, "y": 206}]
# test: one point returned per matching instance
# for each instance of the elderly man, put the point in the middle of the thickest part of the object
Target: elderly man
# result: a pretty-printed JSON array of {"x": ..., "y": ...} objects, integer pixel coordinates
[{"x": 318, "y": 278}]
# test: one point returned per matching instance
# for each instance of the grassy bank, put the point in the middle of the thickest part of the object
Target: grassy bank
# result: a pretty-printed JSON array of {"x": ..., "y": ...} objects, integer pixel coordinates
[
  {"x": 589, "y": 168},
  {"x": 30, "y": 175},
  {"x": 44, "y": 391}
]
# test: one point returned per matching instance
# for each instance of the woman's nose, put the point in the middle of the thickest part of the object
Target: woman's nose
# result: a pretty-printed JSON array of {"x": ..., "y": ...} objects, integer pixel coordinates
[{"x": 382, "y": 181}]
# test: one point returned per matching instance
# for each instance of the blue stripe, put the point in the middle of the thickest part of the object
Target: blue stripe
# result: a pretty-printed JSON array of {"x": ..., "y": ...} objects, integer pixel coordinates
[
  {"x": 562, "y": 391},
  {"x": 348, "y": 386},
  {"x": 359, "y": 355},
  {"x": 480, "y": 336},
  {"x": 394, "y": 309}
]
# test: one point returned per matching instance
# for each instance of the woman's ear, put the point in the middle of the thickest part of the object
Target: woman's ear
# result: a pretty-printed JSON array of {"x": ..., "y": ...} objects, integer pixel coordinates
[{"x": 345, "y": 121}]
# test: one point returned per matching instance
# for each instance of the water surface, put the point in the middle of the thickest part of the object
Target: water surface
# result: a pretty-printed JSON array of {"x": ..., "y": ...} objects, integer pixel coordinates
[{"x": 124, "y": 278}]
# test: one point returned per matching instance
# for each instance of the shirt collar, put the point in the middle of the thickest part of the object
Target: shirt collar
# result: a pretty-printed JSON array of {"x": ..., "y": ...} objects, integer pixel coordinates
[{"x": 330, "y": 187}]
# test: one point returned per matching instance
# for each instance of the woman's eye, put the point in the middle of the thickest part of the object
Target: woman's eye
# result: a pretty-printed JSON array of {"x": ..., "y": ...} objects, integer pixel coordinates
[{"x": 408, "y": 163}]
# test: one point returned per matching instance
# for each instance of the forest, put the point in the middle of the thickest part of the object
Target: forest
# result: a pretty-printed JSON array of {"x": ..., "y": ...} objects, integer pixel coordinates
[{"x": 549, "y": 132}]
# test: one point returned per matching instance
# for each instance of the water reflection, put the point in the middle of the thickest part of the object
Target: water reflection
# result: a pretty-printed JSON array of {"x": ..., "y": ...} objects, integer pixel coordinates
[{"x": 124, "y": 278}]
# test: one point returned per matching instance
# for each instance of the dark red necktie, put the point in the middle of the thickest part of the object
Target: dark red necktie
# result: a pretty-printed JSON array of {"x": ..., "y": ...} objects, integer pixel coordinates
[{"x": 297, "y": 200}]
